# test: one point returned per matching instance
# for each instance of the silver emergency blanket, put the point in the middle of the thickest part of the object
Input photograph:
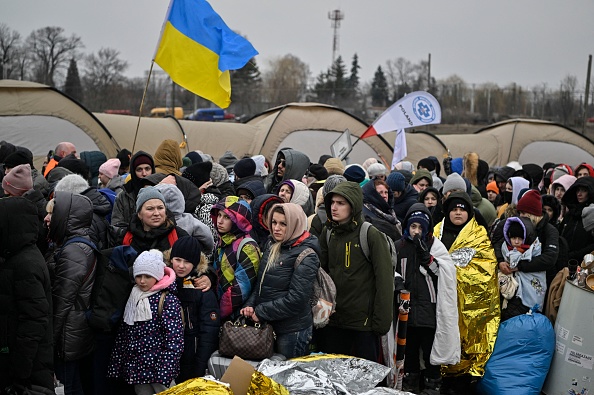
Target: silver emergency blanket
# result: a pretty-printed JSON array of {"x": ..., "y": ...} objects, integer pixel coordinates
[
  {"x": 325, "y": 374},
  {"x": 463, "y": 256},
  {"x": 386, "y": 391}
]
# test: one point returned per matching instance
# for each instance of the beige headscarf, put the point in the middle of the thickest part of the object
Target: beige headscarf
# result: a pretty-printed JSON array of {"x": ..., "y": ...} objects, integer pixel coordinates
[{"x": 168, "y": 159}]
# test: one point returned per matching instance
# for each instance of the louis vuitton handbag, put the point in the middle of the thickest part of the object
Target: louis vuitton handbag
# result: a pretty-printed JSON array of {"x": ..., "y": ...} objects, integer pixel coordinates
[{"x": 246, "y": 339}]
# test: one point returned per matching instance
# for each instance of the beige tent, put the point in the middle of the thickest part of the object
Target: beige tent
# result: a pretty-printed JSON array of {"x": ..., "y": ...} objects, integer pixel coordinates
[{"x": 39, "y": 117}]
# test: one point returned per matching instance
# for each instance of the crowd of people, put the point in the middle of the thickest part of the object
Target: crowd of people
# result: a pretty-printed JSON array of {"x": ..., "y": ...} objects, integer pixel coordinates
[{"x": 210, "y": 241}]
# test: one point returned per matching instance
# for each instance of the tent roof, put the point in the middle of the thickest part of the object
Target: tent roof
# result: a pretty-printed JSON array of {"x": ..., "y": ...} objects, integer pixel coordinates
[{"x": 23, "y": 98}]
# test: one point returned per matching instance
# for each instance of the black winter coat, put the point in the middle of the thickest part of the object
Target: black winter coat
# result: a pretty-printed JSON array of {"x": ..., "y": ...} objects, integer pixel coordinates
[
  {"x": 38, "y": 199},
  {"x": 99, "y": 227},
  {"x": 572, "y": 229},
  {"x": 201, "y": 331},
  {"x": 402, "y": 203},
  {"x": 25, "y": 299},
  {"x": 283, "y": 292},
  {"x": 380, "y": 213},
  {"x": 73, "y": 270}
]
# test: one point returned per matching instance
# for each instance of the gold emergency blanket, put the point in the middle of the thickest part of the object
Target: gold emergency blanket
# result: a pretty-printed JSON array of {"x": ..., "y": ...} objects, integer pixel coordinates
[
  {"x": 262, "y": 385},
  {"x": 478, "y": 299},
  {"x": 199, "y": 386}
]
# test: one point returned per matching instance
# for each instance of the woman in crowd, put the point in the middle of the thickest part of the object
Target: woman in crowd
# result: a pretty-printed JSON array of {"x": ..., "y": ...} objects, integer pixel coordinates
[
  {"x": 431, "y": 198},
  {"x": 153, "y": 226},
  {"x": 578, "y": 196},
  {"x": 294, "y": 191},
  {"x": 378, "y": 201},
  {"x": 284, "y": 289}
]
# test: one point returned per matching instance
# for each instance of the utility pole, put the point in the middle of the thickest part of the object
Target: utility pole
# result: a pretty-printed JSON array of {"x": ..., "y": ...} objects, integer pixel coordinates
[
  {"x": 335, "y": 16},
  {"x": 587, "y": 93},
  {"x": 429, "y": 74}
]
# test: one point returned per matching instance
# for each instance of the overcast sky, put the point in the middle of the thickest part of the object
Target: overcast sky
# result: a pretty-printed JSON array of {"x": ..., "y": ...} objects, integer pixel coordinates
[{"x": 524, "y": 41}]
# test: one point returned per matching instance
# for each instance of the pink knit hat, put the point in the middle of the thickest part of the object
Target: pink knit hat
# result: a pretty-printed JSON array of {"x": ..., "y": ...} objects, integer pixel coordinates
[
  {"x": 18, "y": 181},
  {"x": 110, "y": 168}
]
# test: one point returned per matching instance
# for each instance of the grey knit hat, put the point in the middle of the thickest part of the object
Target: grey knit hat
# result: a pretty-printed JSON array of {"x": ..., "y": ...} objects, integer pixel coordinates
[
  {"x": 150, "y": 263},
  {"x": 588, "y": 217},
  {"x": 72, "y": 183},
  {"x": 376, "y": 169},
  {"x": 332, "y": 182},
  {"x": 453, "y": 182},
  {"x": 148, "y": 193}
]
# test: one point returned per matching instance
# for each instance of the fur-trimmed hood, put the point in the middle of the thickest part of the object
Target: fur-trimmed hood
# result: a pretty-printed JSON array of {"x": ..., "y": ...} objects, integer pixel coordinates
[{"x": 471, "y": 165}]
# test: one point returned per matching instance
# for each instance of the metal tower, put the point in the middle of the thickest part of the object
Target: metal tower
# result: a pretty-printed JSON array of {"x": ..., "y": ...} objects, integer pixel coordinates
[{"x": 335, "y": 16}]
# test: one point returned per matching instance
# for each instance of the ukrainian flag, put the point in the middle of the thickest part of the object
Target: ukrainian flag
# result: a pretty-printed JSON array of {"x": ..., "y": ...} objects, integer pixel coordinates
[{"x": 197, "y": 49}]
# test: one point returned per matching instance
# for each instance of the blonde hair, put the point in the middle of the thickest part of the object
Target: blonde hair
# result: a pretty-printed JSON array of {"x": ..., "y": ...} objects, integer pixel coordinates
[
  {"x": 50, "y": 206},
  {"x": 535, "y": 219},
  {"x": 276, "y": 247}
]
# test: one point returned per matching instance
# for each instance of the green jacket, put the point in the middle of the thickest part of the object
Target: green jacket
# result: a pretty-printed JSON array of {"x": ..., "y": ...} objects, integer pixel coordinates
[{"x": 364, "y": 290}]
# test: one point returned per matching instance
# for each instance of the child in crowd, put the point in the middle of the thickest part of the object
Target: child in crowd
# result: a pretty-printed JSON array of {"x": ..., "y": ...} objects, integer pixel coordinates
[
  {"x": 150, "y": 341},
  {"x": 200, "y": 309},
  {"x": 521, "y": 290},
  {"x": 429, "y": 274},
  {"x": 237, "y": 256}
]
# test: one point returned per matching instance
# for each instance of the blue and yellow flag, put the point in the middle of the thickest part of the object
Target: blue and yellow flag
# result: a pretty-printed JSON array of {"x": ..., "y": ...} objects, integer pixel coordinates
[{"x": 197, "y": 49}]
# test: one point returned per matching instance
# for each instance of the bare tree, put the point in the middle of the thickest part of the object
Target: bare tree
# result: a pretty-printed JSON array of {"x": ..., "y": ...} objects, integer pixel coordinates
[
  {"x": 286, "y": 80},
  {"x": 10, "y": 41},
  {"x": 567, "y": 98},
  {"x": 51, "y": 51},
  {"x": 103, "y": 77}
]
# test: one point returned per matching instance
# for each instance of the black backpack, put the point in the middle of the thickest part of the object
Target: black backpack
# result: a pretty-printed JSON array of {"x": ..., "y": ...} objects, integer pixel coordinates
[{"x": 112, "y": 286}]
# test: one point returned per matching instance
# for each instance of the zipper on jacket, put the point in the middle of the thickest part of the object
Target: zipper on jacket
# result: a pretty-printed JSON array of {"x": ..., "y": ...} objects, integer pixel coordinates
[
  {"x": 366, "y": 319},
  {"x": 347, "y": 254}
]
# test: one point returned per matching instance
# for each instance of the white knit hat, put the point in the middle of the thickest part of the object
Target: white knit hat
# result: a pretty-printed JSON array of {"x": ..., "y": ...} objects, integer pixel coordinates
[{"x": 150, "y": 263}]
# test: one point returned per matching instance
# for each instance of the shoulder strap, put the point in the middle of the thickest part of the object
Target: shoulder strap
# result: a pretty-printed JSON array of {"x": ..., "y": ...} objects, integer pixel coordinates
[
  {"x": 242, "y": 243},
  {"x": 76, "y": 239},
  {"x": 363, "y": 233},
  {"x": 127, "y": 239},
  {"x": 328, "y": 234},
  {"x": 303, "y": 254},
  {"x": 172, "y": 237}
]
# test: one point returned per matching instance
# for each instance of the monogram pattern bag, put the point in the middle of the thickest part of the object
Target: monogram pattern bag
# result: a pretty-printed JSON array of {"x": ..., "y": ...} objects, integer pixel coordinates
[{"x": 246, "y": 339}]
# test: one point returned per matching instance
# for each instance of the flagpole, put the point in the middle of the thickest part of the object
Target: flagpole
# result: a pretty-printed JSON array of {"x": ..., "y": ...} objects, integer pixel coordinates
[{"x": 148, "y": 79}]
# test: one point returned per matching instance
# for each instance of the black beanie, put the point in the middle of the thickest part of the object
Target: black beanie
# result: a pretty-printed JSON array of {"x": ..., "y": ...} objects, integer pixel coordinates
[
  {"x": 319, "y": 172},
  {"x": 426, "y": 163},
  {"x": 188, "y": 248},
  {"x": 323, "y": 159},
  {"x": 198, "y": 173},
  {"x": 18, "y": 158},
  {"x": 515, "y": 229},
  {"x": 244, "y": 168},
  {"x": 75, "y": 165},
  {"x": 454, "y": 202},
  {"x": 194, "y": 157}
]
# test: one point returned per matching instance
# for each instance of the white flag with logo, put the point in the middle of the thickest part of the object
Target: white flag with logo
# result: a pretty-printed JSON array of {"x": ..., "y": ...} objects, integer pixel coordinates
[{"x": 415, "y": 109}]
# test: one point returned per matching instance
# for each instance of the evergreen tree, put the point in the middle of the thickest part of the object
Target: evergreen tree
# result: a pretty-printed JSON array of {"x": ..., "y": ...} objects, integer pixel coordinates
[
  {"x": 353, "y": 81},
  {"x": 245, "y": 88},
  {"x": 73, "y": 86},
  {"x": 323, "y": 88},
  {"x": 339, "y": 82},
  {"x": 379, "y": 89}
]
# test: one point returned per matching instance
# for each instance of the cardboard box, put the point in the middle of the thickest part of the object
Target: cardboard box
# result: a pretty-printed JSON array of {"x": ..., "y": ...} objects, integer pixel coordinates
[{"x": 238, "y": 375}]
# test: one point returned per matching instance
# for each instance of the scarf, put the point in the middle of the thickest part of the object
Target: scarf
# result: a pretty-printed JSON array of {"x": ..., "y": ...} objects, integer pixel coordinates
[
  {"x": 138, "y": 307},
  {"x": 388, "y": 216}
]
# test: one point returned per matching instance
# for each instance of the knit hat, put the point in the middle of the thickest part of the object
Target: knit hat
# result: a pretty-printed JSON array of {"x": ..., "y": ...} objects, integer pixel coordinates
[
  {"x": 334, "y": 166},
  {"x": 18, "y": 158},
  {"x": 368, "y": 162},
  {"x": 261, "y": 169},
  {"x": 244, "y": 167},
  {"x": 323, "y": 159},
  {"x": 515, "y": 229},
  {"x": 142, "y": 160},
  {"x": 150, "y": 263},
  {"x": 492, "y": 186},
  {"x": 188, "y": 248},
  {"x": 228, "y": 160},
  {"x": 110, "y": 168},
  {"x": 421, "y": 218},
  {"x": 75, "y": 165},
  {"x": 198, "y": 173},
  {"x": 420, "y": 174},
  {"x": 396, "y": 182},
  {"x": 453, "y": 182},
  {"x": 331, "y": 182},
  {"x": 218, "y": 174},
  {"x": 560, "y": 170},
  {"x": 148, "y": 193},
  {"x": 376, "y": 169},
  {"x": 404, "y": 165},
  {"x": 530, "y": 203},
  {"x": 124, "y": 156},
  {"x": 194, "y": 157},
  {"x": 18, "y": 181},
  {"x": 318, "y": 172},
  {"x": 72, "y": 183},
  {"x": 427, "y": 164},
  {"x": 456, "y": 201},
  {"x": 588, "y": 217},
  {"x": 355, "y": 173}
]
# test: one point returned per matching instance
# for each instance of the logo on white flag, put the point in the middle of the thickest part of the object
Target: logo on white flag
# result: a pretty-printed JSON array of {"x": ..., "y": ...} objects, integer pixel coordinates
[{"x": 423, "y": 109}]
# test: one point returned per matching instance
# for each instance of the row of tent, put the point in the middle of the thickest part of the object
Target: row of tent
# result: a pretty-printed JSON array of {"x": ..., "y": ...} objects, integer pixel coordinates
[{"x": 38, "y": 117}]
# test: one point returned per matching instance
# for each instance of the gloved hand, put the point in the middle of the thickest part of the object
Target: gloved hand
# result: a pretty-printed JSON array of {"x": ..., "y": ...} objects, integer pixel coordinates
[
  {"x": 398, "y": 285},
  {"x": 422, "y": 251}
]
